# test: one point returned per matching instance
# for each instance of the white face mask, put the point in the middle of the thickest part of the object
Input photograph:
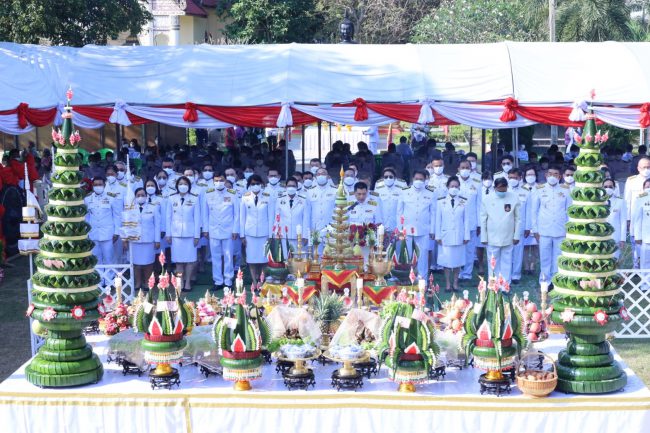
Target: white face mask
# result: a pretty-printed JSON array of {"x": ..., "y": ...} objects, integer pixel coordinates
[
  {"x": 183, "y": 188},
  {"x": 192, "y": 179},
  {"x": 151, "y": 190},
  {"x": 645, "y": 172},
  {"x": 308, "y": 183},
  {"x": 220, "y": 184},
  {"x": 453, "y": 191},
  {"x": 438, "y": 170},
  {"x": 610, "y": 191},
  {"x": 349, "y": 181},
  {"x": 513, "y": 183},
  {"x": 531, "y": 179},
  {"x": 464, "y": 173},
  {"x": 552, "y": 180},
  {"x": 141, "y": 200},
  {"x": 247, "y": 174},
  {"x": 487, "y": 183},
  {"x": 231, "y": 179},
  {"x": 256, "y": 188},
  {"x": 390, "y": 181},
  {"x": 120, "y": 175},
  {"x": 321, "y": 179},
  {"x": 568, "y": 179},
  {"x": 169, "y": 171},
  {"x": 473, "y": 165},
  {"x": 418, "y": 184},
  {"x": 162, "y": 182},
  {"x": 313, "y": 170},
  {"x": 207, "y": 175},
  {"x": 274, "y": 180},
  {"x": 291, "y": 190},
  {"x": 506, "y": 167},
  {"x": 98, "y": 189}
]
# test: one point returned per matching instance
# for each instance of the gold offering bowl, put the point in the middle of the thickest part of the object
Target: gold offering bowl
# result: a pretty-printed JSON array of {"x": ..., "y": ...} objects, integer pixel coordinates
[
  {"x": 380, "y": 267},
  {"x": 299, "y": 266},
  {"x": 299, "y": 366},
  {"x": 348, "y": 364}
]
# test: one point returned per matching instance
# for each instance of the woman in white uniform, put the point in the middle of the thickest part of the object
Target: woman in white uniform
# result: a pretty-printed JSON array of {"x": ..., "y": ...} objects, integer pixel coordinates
[
  {"x": 531, "y": 250},
  {"x": 641, "y": 224},
  {"x": 183, "y": 229},
  {"x": 144, "y": 249},
  {"x": 256, "y": 225},
  {"x": 617, "y": 215},
  {"x": 452, "y": 232}
]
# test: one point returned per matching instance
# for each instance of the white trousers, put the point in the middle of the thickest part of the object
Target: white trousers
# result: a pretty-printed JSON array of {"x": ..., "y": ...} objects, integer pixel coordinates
[
  {"x": 470, "y": 255},
  {"x": 104, "y": 251},
  {"x": 518, "y": 257},
  {"x": 118, "y": 252},
  {"x": 423, "y": 245},
  {"x": 644, "y": 256},
  {"x": 222, "y": 249},
  {"x": 236, "y": 252},
  {"x": 503, "y": 256},
  {"x": 549, "y": 251}
]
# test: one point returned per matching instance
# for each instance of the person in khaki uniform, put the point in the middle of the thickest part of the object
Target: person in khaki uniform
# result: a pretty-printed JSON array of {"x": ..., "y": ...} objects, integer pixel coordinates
[{"x": 500, "y": 226}]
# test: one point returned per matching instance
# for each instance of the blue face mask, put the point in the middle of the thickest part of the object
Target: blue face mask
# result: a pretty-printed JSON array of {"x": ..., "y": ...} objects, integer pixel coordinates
[{"x": 500, "y": 194}]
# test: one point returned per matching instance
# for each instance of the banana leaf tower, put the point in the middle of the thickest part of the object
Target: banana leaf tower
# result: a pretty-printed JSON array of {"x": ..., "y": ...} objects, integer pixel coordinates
[
  {"x": 407, "y": 336},
  {"x": 494, "y": 334},
  {"x": 64, "y": 288},
  {"x": 587, "y": 298}
]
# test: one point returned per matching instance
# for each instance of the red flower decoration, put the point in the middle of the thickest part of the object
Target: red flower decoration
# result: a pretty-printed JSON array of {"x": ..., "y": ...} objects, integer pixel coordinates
[
  {"x": 30, "y": 310},
  {"x": 624, "y": 314},
  {"x": 601, "y": 317},
  {"x": 78, "y": 312},
  {"x": 161, "y": 259}
]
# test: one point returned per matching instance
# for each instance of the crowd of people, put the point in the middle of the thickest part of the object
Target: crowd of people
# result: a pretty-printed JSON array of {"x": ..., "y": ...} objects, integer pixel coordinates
[{"x": 200, "y": 203}]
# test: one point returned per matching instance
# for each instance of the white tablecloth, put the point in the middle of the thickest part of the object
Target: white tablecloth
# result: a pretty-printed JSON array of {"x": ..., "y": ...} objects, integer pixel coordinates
[{"x": 128, "y": 405}]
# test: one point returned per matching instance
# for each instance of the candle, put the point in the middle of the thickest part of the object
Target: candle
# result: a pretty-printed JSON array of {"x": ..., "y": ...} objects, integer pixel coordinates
[
  {"x": 299, "y": 230},
  {"x": 381, "y": 230},
  {"x": 544, "y": 286},
  {"x": 359, "y": 283},
  {"x": 422, "y": 285},
  {"x": 118, "y": 288}
]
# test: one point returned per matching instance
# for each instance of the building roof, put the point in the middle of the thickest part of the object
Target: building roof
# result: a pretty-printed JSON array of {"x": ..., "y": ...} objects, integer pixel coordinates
[
  {"x": 209, "y": 3},
  {"x": 192, "y": 8}
]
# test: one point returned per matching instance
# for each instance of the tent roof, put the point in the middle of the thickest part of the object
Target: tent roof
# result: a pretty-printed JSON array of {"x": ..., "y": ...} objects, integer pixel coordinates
[{"x": 533, "y": 73}]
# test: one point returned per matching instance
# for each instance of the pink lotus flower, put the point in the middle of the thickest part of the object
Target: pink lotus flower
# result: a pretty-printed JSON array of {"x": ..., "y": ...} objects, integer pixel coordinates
[
  {"x": 493, "y": 262},
  {"x": 412, "y": 276},
  {"x": 482, "y": 285},
  {"x": 240, "y": 274},
  {"x": 151, "y": 282},
  {"x": 69, "y": 93},
  {"x": 262, "y": 277},
  {"x": 577, "y": 138},
  {"x": 588, "y": 138},
  {"x": 48, "y": 314},
  {"x": 601, "y": 317},
  {"x": 78, "y": 312},
  {"x": 567, "y": 315},
  {"x": 401, "y": 220},
  {"x": 161, "y": 259},
  {"x": 108, "y": 300},
  {"x": 604, "y": 137},
  {"x": 58, "y": 264},
  {"x": 597, "y": 136},
  {"x": 403, "y": 296},
  {"x": 30, "y": 310},
  {"x": 163, "y": 281},
  {"x": 55, "y": 135}
]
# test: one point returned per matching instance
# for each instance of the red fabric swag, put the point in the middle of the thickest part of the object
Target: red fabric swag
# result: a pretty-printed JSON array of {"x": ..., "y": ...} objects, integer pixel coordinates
[
  {"x": 27, "y": 116},
  {"x": 266, "y": 116},
  {"x": 361, "y": 112},
  {"x": 644, "y": 118},
  {"x": 407, "y": 113},
  {"x": 510, "y": 110},
  {"x": 103, "y": 114},
  {"x": 191, "y": 115}
]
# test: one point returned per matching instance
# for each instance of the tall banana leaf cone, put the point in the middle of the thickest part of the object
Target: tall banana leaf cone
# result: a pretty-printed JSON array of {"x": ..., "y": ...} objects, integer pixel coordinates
[
  {"x": 164, "y": 320},
  {"x": 64, "y": 288},
  {"x": 407, "y": 336},
  {"x": 587, "y": 298},
  {"x": 240, "y": 338},
  {"x": 493, "y": 329}
]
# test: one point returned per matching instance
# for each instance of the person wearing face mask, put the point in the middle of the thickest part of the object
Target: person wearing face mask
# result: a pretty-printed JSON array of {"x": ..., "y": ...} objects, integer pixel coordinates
[
  {"x": 168, "y": 167},
  {"x": 113, "y": 187},
  {"x": 617, "y": 215},
  {"x": 417, "y": 206},
  {"x": 634, "y": 187},
  {"x": 239, "y": 185},
  {"x": 568, "y": 178},
  {"x": 144, "y": 248},
  {"x": 514, "y": 186},
  {"x": 531, "y": 252},
  {"x": 530, "y": 179},
  {"x": 221, "y": 226},
  {"x": 486, "y": 189},
  {"x": 274, "y": 187},
  {"x": 183, "y": 229},
  {"x": 105, "y": 218},
  {"x": 307, "y": 180},
  {"x": 136, "y": 181},
  {"x": 548, "y": 213},
  {"x": 470, "y": 189},
  {"x": 365, "y": 209},
  {"x": 390, "y": 194},
  {"x": 473, "y": 162},
  {"x": 349, "y": 180},
  {"x": 321, "y": 199},
  {"x": 452, "y": 231},
  {"x": 641, "y": 224},
  {"x": 500, "y": 226},
  {"x": 207, "y": 174},
  {"x": 437, "y": 177},
  {"x": 256, "y": 213},
  {"x": 292, "y": 211},
  {"x": 506, "y": 166},
  {"x": 155, "y": 198},
  {"x": 248, "y": 172},
  {"x": 314, "y": 165}
]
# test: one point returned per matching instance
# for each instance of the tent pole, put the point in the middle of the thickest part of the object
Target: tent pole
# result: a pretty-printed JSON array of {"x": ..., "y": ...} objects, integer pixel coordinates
[
  {"x": 494, "y": 150},
  {"x": 471, "y": 132},
  {"x": 513, "y": 132},
  {"x": 483, "y": 140},
  {"x": 16, "y": 142},
  {"x": 517, "y": 147},
  {"x": 117, "y": 141},
  {"x": 320, "y": 133},
  {"x": 330, "y": 128},
  {"x": 303, "y": 148},
  {"x": 286, "y": 153}
]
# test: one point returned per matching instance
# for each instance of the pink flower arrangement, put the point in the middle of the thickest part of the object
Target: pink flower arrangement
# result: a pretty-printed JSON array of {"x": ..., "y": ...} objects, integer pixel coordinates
[
  {"x": 403, "y": 296},
  {"x": 493, "y": 262},
  {"x": 117, "y": 320},
  {"x": 577, "y": 138},
  {"x": 69, "y": 93},
  {"x": 601, "y": 317},
  {"x": 78, "y": 312},
  {"x": 48, "y": 314}
]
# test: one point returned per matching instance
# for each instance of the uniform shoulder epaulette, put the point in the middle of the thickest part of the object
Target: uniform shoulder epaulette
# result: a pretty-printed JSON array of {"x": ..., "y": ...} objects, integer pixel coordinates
[
  {"x": 475, "y": 179},
  {"x": 526, "y": 187},
  {"x": 195, "y": 195},
  {"x": 540, "y": 186},
  {"x": 462, "y": 198},
  {"x": 376, "y": 194},
  {"x": 441, "y": 198},
  {"x": 565, "y": 186},
  {"x": 643, "y": 194},
  {"x": 377, "y": 186},
  {"x": 633, "y": 176},
  {"x": 231, "y": 191},
  {"x": 111, "y": 194},
  {"x": 138, "y": 178},
  {"x": 372, "y": 203},
  {"x": 430, "y": 188},
  {"x": 282, "y": 194},
  {"x": 498, "y": 172},
  {"x": 310, "y": 187},
  {"x": 334, "y": 186},
  {"x": 266, "y": 194},
  {"x": 247, "y": 193},
  {"x": 159, "y": 195},
  {"x": 304, "y": 197},
  {"x": 123, "y": 183},
  {"x": 176, "y": 193},
  {"x": 209, "y": 190}
]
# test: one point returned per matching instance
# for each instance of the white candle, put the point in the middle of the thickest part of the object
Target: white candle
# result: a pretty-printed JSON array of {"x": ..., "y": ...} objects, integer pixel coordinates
[
  {"x": 422, "y": 285},
  {"x": 359, "y": 283},
  {"x": 299, "y": 230},
  {"x": 544, "y": 286},
  {"x": 300, "y": 282},
  {"x": 380, "y": 230}
]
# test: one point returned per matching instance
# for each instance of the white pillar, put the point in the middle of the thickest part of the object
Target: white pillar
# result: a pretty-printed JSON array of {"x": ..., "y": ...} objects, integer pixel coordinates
[{"x": 174, "y": 31}]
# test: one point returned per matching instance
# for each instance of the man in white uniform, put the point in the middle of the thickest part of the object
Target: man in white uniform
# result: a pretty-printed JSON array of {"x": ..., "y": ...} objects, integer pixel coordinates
[
  {"x": 390, "y": 194},
  {"x": 292, "y": 211},
  {"x": 105, "y": 218},
  {"x": 514, "y": 186},
  {"x": 634, "y": 187},
  {"x": 470, "y": 188},
  {"x": 437, "y": 184},
  {"x": 321, "y": 200}
]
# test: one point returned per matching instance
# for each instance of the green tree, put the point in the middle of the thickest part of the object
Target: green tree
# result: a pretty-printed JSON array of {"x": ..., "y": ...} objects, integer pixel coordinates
[
  {"x": 272, "y": 21},
  {"x": 70, "y": 22},
  {"x": 475, "y": 21},
  {"x": 593, "y": 20}
]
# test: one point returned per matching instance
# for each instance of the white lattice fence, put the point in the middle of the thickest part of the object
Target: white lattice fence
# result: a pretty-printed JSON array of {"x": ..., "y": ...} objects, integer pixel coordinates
[{"x": 636, "y": 287}]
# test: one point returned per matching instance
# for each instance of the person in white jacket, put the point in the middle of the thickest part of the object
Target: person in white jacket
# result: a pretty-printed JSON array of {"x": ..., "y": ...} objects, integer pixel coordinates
[
  {"x": 183, "y": 229},
  {"x": 144, "y": 248},
  {"x": 453, "y": 231},
  {"x": 617, "y": 215},
  {"x": 291, "y": 211},
  {"x": 641, "y": 224},
  {"x": 515, "y": 186},
  {"x": 105, "y": 217}
]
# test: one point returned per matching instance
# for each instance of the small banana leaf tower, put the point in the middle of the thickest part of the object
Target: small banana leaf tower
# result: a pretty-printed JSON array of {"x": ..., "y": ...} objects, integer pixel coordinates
[
  {"x": 587, "y": 298},
  {"x": 64, "y": 287}
]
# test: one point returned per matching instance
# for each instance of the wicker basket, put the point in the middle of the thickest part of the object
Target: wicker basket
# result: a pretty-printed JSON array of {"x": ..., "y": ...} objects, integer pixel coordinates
[{"x": 535, "y": 388}]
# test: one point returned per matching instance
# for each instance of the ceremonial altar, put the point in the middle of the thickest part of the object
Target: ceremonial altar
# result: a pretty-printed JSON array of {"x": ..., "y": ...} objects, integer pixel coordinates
[{"x": 126, "y": 404}]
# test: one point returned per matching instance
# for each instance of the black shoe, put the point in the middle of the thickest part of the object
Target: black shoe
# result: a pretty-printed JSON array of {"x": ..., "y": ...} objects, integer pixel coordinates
[
  {"x": 216, "y": 287},
  {"x": 515, "y": 282}
]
